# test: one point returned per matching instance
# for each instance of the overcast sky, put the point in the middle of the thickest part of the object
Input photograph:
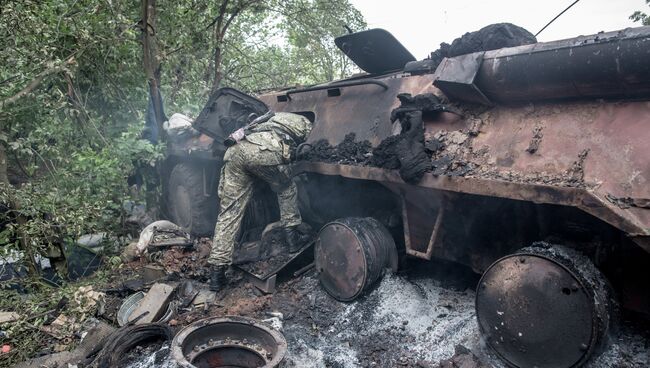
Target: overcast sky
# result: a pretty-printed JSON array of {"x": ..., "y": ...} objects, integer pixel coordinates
[{"x": 422, "y": 25}]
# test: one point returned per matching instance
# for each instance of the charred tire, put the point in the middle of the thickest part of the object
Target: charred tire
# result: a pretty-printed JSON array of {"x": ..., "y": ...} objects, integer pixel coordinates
[
  {"x": 127, "y": 338},
  {"x": 544, "y": 306},
  {"x": 351, "y": 254},
  {"x": 187, "y": 205}
]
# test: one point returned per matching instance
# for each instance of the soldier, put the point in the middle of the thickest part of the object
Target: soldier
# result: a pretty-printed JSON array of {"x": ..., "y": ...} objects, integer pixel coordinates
[{"x": 263, "y": 150}]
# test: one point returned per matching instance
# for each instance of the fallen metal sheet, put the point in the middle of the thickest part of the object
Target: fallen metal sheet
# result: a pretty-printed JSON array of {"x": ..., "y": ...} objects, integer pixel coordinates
[
  {"x": 156, "y": 301},
  {"x": 267, "y": 285},
  {"x": 129, "y": 306},
  {"x": 265, "y": 278},
  {"x": 164, "y": 244}
]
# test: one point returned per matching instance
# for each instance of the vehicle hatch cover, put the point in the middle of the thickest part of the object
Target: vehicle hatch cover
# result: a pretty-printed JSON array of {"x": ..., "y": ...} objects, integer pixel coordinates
[
  {"x": 375, "y": 51},
  {"x": 226, "y": 111}
]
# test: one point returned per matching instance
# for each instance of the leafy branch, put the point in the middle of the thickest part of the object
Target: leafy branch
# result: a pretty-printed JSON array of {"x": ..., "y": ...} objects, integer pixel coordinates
[
  {"x": 639, "y": 16},
  {"x": 31, "y": 86}
]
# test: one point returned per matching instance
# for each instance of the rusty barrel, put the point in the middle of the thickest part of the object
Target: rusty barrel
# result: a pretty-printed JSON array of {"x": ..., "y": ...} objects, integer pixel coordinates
[{"x": 351, "y": 254}]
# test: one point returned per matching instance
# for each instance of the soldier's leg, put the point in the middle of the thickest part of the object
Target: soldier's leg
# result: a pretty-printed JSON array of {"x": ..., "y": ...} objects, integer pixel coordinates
[
  {"x": 279, "y": 179},
  {"x": 288, "y": 202},
  {"x": 235, "y": 191}
]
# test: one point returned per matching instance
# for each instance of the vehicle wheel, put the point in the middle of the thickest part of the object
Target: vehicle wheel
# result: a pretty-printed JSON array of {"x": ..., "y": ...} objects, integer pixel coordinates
[
  {"x": 187, "y": 206},
  {"x": 351, "y": 254},
  {"x": 544, "y": 306}
]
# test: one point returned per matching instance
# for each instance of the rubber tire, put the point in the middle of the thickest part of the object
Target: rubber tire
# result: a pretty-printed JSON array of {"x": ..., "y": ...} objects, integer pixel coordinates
[{"x": 187, "y": 206}]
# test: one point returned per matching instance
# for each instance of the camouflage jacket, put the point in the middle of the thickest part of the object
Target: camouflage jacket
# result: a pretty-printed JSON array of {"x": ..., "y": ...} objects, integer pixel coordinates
[{"x": 280, "y": 134}]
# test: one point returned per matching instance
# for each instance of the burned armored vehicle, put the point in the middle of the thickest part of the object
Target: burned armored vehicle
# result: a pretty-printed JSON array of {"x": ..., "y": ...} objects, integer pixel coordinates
[{"x": 529, "y": 164}]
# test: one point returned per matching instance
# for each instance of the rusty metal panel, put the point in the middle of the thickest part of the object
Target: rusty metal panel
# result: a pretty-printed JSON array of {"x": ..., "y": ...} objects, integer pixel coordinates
[
  {"x": 605, "y": 65},
  {"x": 536, "y": 193},
  {"x": 603, "y": 146},
  {"x": 592, "y": 155},
  {"x": 456, "y": 78},
  {"x": 363, "y": 110}
]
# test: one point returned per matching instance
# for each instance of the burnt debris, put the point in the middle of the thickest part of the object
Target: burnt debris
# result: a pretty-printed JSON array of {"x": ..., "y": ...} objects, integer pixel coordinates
[
  {"x": 445, "y": 152},
  {"x": 536, "y": 140},
  {"x": 347, "y": 152},
  {"x": 404, "y": 151},
  {"x": 492, "y": 37}
]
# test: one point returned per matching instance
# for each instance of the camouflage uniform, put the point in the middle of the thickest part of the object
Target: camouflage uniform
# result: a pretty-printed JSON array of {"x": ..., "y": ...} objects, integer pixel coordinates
[{"x": 264, "y": 154}]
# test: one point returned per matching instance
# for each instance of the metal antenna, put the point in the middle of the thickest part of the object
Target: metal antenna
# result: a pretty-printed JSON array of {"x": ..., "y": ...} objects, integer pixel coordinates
[{"x": 557, "y": 16}]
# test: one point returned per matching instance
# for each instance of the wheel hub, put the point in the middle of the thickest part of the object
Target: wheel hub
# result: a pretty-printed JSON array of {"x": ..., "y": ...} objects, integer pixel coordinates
[
  {"x": 535, "y": 312},
  {"x": 224, "y": 342}
]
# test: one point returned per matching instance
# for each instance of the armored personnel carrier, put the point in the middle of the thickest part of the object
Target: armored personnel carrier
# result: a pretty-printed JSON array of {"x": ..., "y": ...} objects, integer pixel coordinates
[{"x": 529, "y": 164}]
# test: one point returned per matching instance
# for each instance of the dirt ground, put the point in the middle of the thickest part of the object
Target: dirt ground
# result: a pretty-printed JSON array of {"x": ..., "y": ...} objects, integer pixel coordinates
[{"x": 421, "y": 317}]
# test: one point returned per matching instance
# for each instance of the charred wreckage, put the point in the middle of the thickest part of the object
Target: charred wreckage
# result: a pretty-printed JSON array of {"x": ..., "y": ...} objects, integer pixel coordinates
[{"x": 526, "y": 161}]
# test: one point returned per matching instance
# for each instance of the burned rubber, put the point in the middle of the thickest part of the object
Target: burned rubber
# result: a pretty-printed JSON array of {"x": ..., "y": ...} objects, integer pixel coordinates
[
  {"x": 351, "y": 254},
  {"x": 125, "y": 339},
  {"x": 545, "y": 306},
  {"x": 229, "y": 342}
]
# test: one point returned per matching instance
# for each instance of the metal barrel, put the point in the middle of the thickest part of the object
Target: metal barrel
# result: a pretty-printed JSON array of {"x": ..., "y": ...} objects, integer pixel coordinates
[
  {"x": 351, "y": 254},
  {"x": 606, "y": 65}
]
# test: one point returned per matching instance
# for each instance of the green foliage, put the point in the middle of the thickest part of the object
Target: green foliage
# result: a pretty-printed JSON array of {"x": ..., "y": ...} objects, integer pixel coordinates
[
  {"x": 83, "y": 195},
  {"x": 312, "y": 27},
  {"x": 73, "y": 93},
  {"x": 23, "y": 334},
  {"x": 289, "y": 43},
  {"x": 73, "y": 96},
  {"x": 639, "y": 16},
  {"x": 26, "y": 336},
  {"x": 272, "y": 44}
]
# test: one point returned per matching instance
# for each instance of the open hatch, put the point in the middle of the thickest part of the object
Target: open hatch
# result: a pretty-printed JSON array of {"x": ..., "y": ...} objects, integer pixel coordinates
[
  {"x": 226, "y": 111},
  {"x": 375, "y": 51}
]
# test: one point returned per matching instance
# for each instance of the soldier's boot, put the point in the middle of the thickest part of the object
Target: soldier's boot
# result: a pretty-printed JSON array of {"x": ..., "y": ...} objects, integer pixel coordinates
[
  {"x": 295, "y": 239},
  {"x": 218, "y": 278}
]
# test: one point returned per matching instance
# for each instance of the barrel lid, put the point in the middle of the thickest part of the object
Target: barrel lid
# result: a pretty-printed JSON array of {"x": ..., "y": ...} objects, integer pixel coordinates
[{"x": 341, "y": 261}]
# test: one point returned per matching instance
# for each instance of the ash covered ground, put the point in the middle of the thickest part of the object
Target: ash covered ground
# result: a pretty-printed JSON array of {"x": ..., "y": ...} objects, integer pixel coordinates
[{"x": 421, "y": 317}]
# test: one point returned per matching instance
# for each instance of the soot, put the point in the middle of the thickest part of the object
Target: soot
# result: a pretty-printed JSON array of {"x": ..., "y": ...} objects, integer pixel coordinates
[
  {"x": 404, "y": 151},
  {"x": 491, "y": 37}
]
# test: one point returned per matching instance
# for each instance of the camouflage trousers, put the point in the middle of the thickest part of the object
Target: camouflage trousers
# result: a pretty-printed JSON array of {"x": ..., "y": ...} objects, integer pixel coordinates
[{"x": 246, "y": 163}]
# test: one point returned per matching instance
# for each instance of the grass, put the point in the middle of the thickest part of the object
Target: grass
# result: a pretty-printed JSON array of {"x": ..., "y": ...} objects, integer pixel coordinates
[{"x": 34, "y": 303}]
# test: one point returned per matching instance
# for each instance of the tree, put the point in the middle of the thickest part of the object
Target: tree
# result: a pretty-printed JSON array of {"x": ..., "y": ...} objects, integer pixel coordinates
[
  {"x": 151, "y": 60},
  {"x": 75, "y": 76},
  {"x": 639, "y": 16},
  {"x": 258, "y": 45},
  {"x": 312, "y": 27},
  {"x": 68, "y": 97},
  {"x": 290, "y": 43}
]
